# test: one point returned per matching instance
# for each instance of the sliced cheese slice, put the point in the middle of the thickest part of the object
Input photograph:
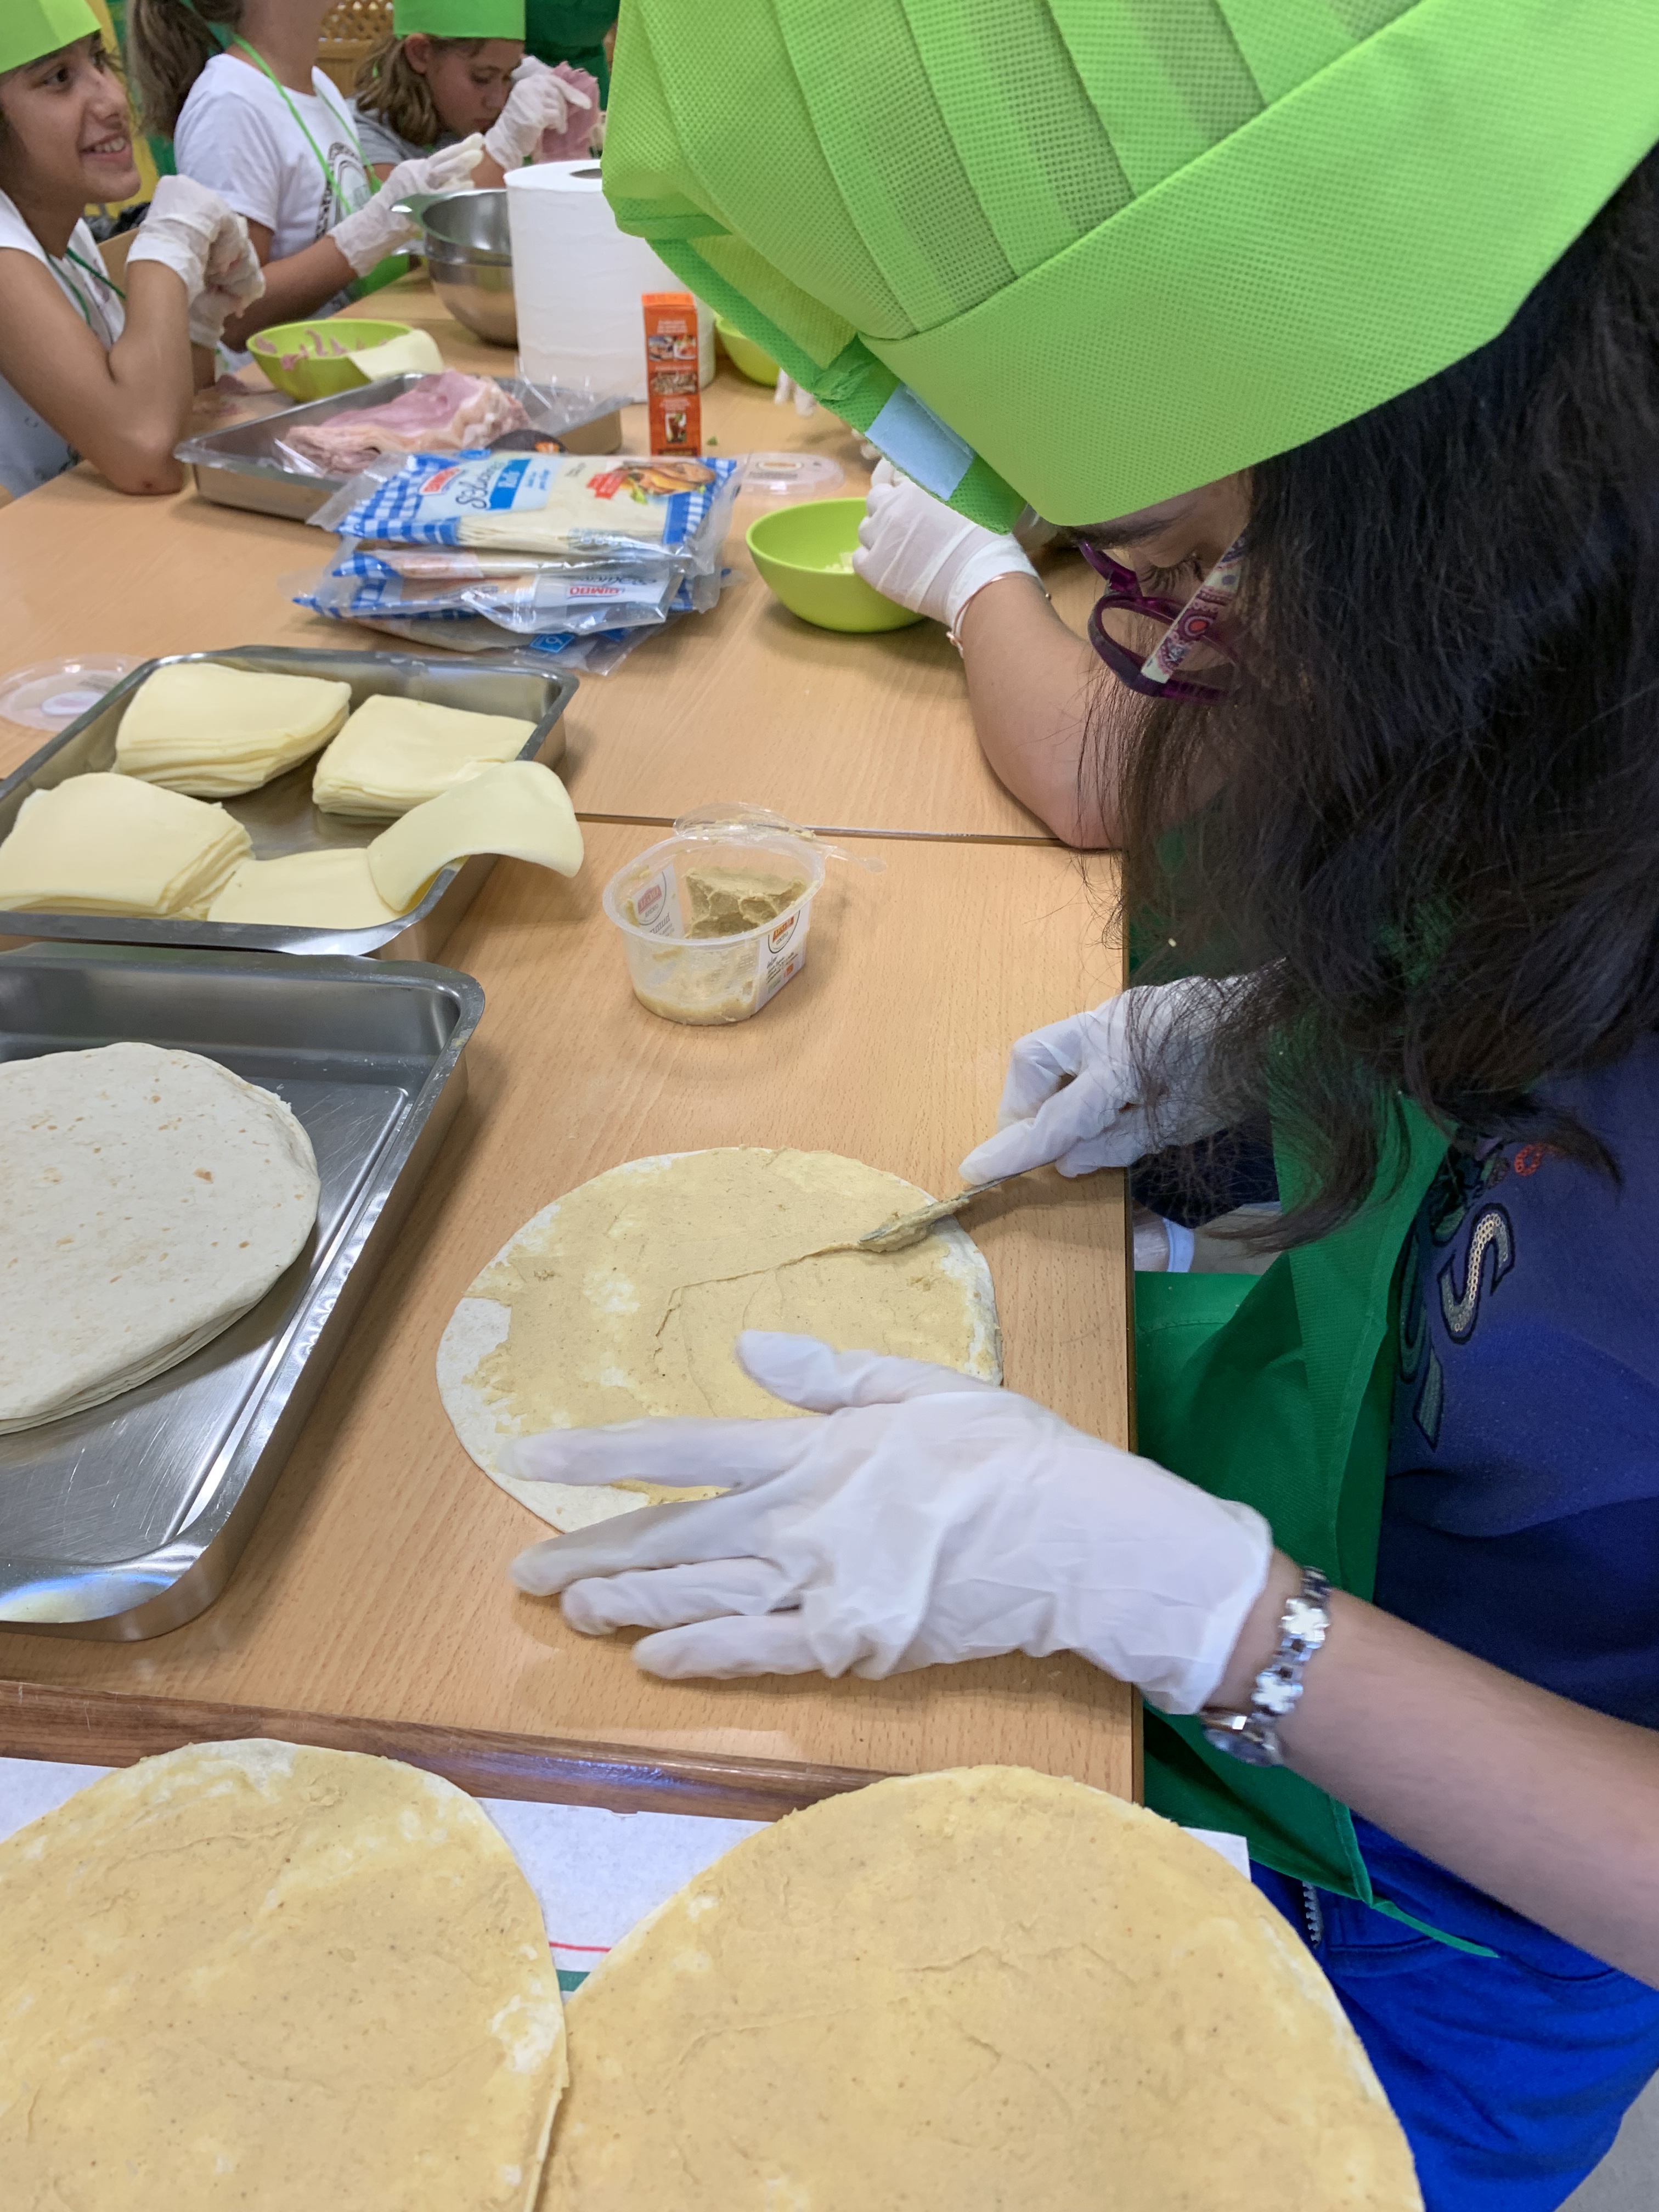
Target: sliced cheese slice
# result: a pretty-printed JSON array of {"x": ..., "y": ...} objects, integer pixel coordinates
[
  {"x": 394, "y": 753},
  {"x": 518, "y": 809},
  {"x": 308, "y": 890},
  {"x": 200, "y": 728},
  {"x": 415, "y": 354},
  {"x": 108, "y": 844}
]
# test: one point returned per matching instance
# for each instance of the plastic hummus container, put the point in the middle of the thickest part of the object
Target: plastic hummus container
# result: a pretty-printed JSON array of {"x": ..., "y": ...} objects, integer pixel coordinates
[{"x": 682, "y": 908}]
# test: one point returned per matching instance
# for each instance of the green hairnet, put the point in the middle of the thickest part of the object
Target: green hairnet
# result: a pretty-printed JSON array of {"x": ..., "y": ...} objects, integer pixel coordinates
[
  {"x": 1089, "y": 254},
  {"x": 29, "y": 28},
  {"x": 459, "y": 19}
]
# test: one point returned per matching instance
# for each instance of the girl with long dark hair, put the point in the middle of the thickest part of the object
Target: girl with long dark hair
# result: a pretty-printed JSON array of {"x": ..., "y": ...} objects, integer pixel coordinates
[{"x": 1335, "y": 333}]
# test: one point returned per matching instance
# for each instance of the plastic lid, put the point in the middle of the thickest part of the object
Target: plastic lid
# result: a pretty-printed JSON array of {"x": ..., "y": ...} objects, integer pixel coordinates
[
  {"x": 49, "y": 695},
  {"x": 733, "y": 819},
  {"x": 783, "y": 476}
]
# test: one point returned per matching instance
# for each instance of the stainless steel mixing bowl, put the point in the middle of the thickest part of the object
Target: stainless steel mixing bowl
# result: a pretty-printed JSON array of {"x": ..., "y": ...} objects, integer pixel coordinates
[{"x": 470, "y": 255}]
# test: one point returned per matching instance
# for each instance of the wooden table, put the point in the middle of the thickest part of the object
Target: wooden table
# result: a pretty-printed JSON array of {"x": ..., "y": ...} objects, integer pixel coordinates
[
  {"x": 745, "y": 702},
  {"x": 371, "y": 1609}
]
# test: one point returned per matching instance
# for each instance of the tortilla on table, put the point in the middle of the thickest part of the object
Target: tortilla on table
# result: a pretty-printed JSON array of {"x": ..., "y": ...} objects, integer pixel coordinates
[
  {"x": 987, "y": 1990},
  {"x": 152, "y": 1198},
  {"x": 625, "y": 1296},
  {"x": 257, "y": 1974}
]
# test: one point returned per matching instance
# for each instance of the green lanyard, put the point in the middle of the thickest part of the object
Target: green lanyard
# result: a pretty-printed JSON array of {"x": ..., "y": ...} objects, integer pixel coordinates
[
  {"x": 70, "y": 254},
  {"x": 335, "y": 190},
  {"x": 102, "y": 275}
]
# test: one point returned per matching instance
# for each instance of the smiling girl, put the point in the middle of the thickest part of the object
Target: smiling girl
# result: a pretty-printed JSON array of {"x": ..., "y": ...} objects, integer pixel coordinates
[{"x": 86, "y": 367}]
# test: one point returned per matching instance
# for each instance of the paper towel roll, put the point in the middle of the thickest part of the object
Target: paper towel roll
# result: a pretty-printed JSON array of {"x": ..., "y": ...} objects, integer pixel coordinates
[{"x": 578, "y": 279}]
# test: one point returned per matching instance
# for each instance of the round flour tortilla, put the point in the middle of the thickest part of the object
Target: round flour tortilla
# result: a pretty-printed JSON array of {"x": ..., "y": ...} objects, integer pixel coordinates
[
  {"x": 625, "y": 1296},
  {"x": 152, "y": 1198},
  {"x": 253, "y": 1973},
  {"x": 968, "y": 1992}
]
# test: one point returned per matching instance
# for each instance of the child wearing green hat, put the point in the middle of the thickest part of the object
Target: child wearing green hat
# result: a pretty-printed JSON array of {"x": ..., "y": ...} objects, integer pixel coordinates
[
  {"x": 1333, "y": 328},
  {"x": 449, "y": 67},
  {"x": 87, "y": 367},
  {"x": 578, "y": 32},
  {"x": 235, "y": 84}
]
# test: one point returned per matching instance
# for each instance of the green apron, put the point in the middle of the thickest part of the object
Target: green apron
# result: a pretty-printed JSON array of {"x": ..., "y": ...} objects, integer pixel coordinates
[{"x": 1277, "y": 1389}]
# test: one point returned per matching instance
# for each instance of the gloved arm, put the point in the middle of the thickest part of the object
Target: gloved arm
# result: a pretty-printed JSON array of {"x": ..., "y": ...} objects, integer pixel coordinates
[
  {"x": 928, "y": 1517},
  {"x": 192, "y": 231},
  {"x": 542, "y": 99},
  {"x": 917, "y": 550},
  {"x": 367, "y": 236},
  {"x": 1074, "y": 1094}
]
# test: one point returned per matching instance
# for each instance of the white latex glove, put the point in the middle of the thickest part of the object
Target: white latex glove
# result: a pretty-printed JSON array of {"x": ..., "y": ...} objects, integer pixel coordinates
[
  {"x": 917, "y": 1518},
  {"x": 370, "y": 232},
  {"x": 540, "y": 101},
  {"x": 192, "y": 231},
  {"x": 1074, "y": 1096},
  {"x": 917, "y": 550},
  {"x": 786, "y": 389}
]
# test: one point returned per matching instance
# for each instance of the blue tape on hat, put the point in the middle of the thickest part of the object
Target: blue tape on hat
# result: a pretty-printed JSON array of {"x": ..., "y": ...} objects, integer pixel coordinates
[{"x": 914, "y": 440}]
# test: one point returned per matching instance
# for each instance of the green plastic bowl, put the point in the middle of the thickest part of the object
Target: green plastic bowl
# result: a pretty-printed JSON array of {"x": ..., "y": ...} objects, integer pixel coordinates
[
  {"x": 754, "y": 362},
  {"x": 793, "y": 548},
  {"x": 296, "y": 357}
]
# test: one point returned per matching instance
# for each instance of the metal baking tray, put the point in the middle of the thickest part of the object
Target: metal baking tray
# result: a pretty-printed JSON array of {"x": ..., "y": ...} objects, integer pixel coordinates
[
  {"x": 123, "y": 1520},
  {"x": 242, "y": 466},
  {"x": 281, "y": 819}
]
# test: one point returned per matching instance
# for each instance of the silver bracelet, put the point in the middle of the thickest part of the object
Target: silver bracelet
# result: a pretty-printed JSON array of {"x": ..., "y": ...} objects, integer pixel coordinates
[{"x": 1276, "y": 1692}]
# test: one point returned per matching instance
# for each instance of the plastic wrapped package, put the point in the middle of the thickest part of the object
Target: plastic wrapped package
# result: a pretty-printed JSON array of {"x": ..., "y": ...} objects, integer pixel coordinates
[
  {"x": 620, "y": 510},
  {"x": 441, "y": 417},
  {"x": 577, "y": 598}
]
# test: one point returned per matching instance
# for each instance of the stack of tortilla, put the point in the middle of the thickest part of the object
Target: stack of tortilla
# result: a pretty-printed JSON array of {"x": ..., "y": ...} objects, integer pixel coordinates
[
  {"x": 981, "y": 1991},
  {"x": 256, "y": 1974},
  {"x": 152, "y": 1198}
]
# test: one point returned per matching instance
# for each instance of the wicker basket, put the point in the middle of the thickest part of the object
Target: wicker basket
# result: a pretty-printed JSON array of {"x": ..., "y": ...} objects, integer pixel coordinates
[{"x": 351, "y": 29}]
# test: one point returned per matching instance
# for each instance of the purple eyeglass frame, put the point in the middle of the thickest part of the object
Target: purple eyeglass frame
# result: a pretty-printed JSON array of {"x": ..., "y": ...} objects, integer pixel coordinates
[{"x": 1123, "y": 590}]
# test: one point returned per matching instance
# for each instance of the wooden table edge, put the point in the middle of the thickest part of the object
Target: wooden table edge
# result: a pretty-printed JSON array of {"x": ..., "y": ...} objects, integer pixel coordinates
[{"x": 103, "y": 1728}]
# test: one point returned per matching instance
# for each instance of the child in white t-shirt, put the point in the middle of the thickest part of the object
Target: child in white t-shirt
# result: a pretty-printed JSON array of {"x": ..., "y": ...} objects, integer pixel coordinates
[
  {"x": 235, "y": 84},
  {"x": 87, "y": 367},
  {"x": 451, "y": 67}
]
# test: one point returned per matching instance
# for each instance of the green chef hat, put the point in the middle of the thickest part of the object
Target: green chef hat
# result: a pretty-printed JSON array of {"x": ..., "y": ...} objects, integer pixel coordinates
[
  {"x": 29, "y": 28},
  {"x": 1091, "y": 253},
  {"x": 459, "y": 19}
]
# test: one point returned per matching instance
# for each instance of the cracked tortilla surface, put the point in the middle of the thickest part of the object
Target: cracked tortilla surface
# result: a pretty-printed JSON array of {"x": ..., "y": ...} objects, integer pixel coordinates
[
  {"x": 987, "y": 1990},
  {"x": 257, "y": 1974},
  {"x": 624, "y": 1298}
]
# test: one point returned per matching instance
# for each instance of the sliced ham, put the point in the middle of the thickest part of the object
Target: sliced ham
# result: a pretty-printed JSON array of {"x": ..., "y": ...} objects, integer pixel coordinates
[{"x": 445, "y": 414}]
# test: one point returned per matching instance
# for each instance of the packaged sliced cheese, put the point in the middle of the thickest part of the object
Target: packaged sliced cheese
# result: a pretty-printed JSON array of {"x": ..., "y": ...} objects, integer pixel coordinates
[
  {"x": 330, "y": 890},
  {"x": 200, "y": 728},
  {"x": 394, "y": 753},
  {"x": 109, "y": 844},
  {"x": 519, "y": 809}
]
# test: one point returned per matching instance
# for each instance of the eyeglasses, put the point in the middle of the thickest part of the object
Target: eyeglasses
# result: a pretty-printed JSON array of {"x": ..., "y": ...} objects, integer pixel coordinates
[{"x": 1198, "y": 621}]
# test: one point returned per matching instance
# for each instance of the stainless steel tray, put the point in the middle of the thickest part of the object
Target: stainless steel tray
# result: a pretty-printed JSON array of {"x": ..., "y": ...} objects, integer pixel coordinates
[
  {"x": 122, "y": 1522},
  {"x": 242, "y": 466},
  {"x": 281, "y": 818}
]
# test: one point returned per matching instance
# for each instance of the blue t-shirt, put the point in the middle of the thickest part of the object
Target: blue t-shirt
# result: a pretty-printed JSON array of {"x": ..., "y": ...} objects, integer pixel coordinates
[{"x": 1521, "y": 1518}]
